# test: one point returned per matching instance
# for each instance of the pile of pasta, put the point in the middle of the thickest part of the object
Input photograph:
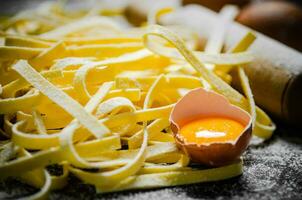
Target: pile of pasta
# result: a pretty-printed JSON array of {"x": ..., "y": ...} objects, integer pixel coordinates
[{"x": 92, "y": 95}]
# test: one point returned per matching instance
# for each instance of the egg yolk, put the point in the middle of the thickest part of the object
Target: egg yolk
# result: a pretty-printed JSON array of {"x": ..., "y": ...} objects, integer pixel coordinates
[{"x": 211, "y": 130}]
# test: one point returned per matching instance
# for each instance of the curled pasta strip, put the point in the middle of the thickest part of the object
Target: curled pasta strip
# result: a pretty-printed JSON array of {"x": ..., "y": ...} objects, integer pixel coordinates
[
  {"x": 112, "y": 177},
  {"x": 46, "y": 141},
  {"x": 66, "y": 135},
  {"x": 113, "y": 106},
  {"x": 153, "y": 129},
  {"x": 25, "y": 164},
  {"x": 217, "y": 84},
  {"x": 79, "y": 83},
  {"x": 11, "y": 105}
]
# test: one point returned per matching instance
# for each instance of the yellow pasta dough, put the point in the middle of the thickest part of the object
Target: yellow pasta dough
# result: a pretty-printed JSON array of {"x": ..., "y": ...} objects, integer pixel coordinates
[{"x": 85, "y": 92}]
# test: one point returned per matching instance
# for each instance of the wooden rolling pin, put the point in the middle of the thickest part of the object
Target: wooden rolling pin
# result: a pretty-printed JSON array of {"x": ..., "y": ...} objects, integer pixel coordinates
[{"x": 275, "y": 74}]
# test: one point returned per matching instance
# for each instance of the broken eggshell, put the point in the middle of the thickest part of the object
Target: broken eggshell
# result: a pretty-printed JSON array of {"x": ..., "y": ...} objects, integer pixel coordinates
[{"x": 200, "y": 103}]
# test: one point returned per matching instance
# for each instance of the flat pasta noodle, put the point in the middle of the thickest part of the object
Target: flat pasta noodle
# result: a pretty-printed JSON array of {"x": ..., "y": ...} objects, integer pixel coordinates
[
  {"x": 13, "y": 87},
  {"x": 12, "y": 52},
  {"x": 92, "y": 95},
  {"x": 165, "y": 179},
  {"x": 113, "y": 177},
  {"x": 46, "y": 57},
  {"x": 60, "y": 98},
  {"x": 20, "y": 41},
  {"x": 219, "y": 85}
]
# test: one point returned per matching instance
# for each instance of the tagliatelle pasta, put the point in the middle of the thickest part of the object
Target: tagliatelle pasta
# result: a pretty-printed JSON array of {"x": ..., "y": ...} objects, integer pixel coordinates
[{"x": 93, "y": 97}]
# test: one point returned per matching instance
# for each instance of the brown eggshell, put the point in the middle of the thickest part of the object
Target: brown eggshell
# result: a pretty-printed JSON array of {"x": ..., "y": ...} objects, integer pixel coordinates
[{"x": 200, "y": 103}]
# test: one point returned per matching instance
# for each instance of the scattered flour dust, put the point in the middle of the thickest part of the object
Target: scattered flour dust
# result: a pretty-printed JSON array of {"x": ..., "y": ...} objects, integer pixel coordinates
[{"x": 272, "y": 170}]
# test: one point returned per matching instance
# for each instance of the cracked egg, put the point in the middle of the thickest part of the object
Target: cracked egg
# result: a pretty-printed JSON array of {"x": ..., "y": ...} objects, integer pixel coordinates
[{"x": 209, "y": 129}]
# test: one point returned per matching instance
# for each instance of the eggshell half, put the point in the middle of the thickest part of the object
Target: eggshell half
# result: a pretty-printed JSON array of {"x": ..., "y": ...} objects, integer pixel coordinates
[{"x": 200, "y": 103}]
